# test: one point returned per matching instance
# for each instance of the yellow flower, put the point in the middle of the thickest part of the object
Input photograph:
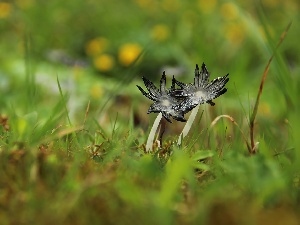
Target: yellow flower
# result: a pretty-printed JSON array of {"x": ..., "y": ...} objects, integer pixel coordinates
[
  {"x": 104, "y": 62},
  {"x": 234, "y": 32},
  {"x": 96, "y": 46},
  {"x": 24, "y": 4},
  {"x": 270, "y": 3},
  {"x": 207, "y": 6},
  {"x": 160, "y": 32},
  {"x": 170, "y": 5},
  {"x": 144, "y": 3},
  {"x": 229, "y": 11},
  {"x": 128, "y": 53},
  {"x": 96, "y": 91},
  {"x": 264, "y": 109},
  {"x": 78, "y": 72},
  {"x": 5, "y": 10},
  {"x": 148, "y": 5}
]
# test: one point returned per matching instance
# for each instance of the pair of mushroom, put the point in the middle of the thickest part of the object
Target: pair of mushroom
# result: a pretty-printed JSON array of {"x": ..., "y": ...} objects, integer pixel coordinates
[{"x": 175, "y": 102}]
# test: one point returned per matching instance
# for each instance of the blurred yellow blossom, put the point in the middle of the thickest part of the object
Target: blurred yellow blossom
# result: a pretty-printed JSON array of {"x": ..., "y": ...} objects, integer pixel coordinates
[
  {"x": 293, "y": 7},
  {"x": 271, "y": 3},
  {"x": 234, "y": 32},
  {"x": 104, "y": 62},
  {"x": 206, "y": 6},
  {"x": 24, "y": 4},
  {"x": 160, "y": 32},
  {"x": 229, "y": 11},
  {"x": 78, "y": 72},
  {"x": 170, "y": 5},
  {"x": 96, "y": 46},
  {"x": 143, "y": 3},
  {"x": 264, "y": 109},
  {"x": 149, "y": 5},
  {"x": 128, "y": 53},
  {"x": 5, "y": 10},
  {"x": 96, "y": 91}
]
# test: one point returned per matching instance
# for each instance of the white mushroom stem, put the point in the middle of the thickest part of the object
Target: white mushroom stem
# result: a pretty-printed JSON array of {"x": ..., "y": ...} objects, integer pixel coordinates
[
  {"x": 149, "y": 143},
  {"x": 188, "y": 125}
]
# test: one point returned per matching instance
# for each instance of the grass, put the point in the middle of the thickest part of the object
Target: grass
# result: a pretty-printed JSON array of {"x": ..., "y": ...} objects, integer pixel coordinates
[{"x": 68, "y": 157}]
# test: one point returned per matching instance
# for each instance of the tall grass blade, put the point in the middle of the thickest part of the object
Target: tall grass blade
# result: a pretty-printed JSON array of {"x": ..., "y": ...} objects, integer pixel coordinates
[
  {"x": 262, "y": 82},
  {"x": 64, "y": 100}
]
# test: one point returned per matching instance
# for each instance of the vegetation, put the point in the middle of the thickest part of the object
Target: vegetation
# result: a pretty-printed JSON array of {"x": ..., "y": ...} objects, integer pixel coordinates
[{"x": 73, "y": 124}]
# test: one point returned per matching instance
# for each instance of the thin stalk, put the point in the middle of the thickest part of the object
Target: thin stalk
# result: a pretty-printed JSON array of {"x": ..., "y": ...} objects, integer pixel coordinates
[
  {"x": 188, "y": 125},
  {"x": 153, "y": 130}
]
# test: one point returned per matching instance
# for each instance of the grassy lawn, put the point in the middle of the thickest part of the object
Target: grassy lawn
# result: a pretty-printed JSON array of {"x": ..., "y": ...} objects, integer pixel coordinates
[{"x": 74, "y": 127}]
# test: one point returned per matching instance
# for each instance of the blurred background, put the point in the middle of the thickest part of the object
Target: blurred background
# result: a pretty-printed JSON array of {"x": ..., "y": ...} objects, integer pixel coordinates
[{"x": 100, "y": 49}]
